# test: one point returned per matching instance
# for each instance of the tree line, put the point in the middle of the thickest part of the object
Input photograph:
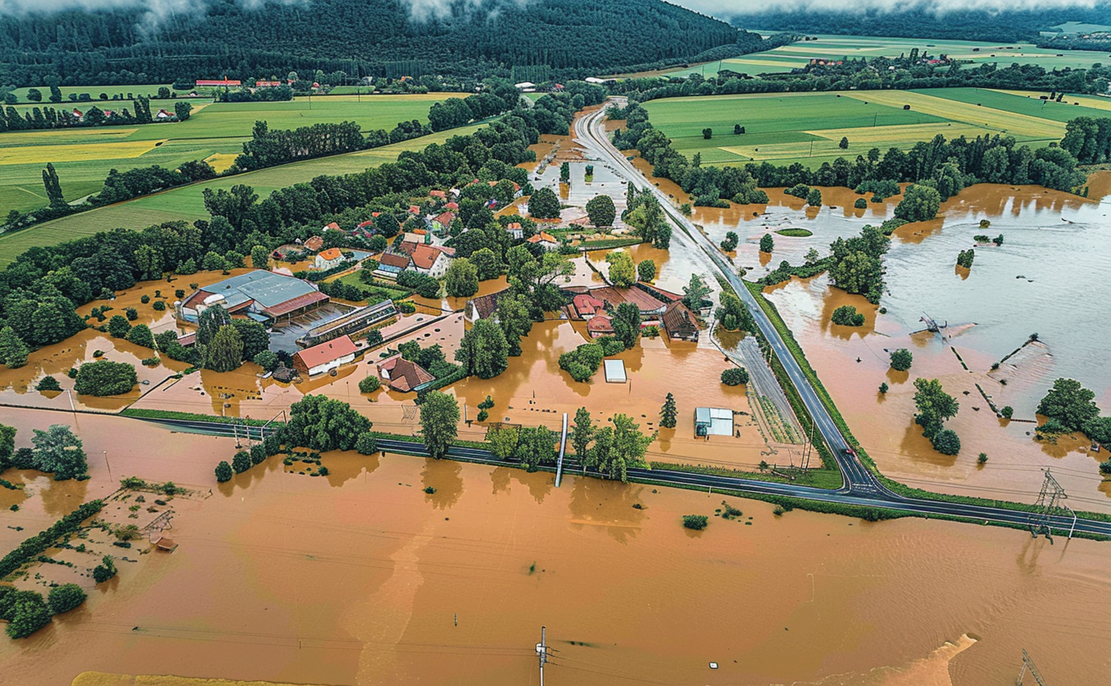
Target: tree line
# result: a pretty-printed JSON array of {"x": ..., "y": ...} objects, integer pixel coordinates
[{"x": 37, "y": 118}]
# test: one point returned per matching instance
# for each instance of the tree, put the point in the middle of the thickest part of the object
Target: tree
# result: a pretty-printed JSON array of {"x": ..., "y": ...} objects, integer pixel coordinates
[
  {"x": 1069, "y": 403},
  {"x": 884, "y": 388},
  {"x": 901, "y": 359},
  {"x": 515, "y": 320},
  {"x": 241, "y": 462},
  {"x": 919, "y": 203},
  {"x": 668, "y": 413},
  {"x": 461, "y": 279},
  {"x": 267, "y": 360},
  {"x": 622, "y": 270},
  {"x": 626, "y": 324},
  {"x": 34, "y": 95},
  {"x": 13, "y": 351},
  {"x": 502, "y": 442},
  {"x": 366, "y": 444},
  {"x": 738, "y": 129},
  {"x": 118, "y": 326},
  {"x": 104, "y": 378},
  {"x": 947, "y": 442},
  {"x": 65, "y": 598},
  {"x": 369, "y": 384},
  {"x": 140, "y": 335},
  {"x": 486, "y": 263},
  {"x": 813, "y": 198},
  {"x": 29, "y": 613},
  {"x": 260, "y": 257},
  {"x": 439, "y": 420},
  {"x": 182, "y": 110},
  {"x": 565, "y": 172},
  {"x": 57, "y": 450},
  {"x": 812, "y": 257},
  {"x": 707, "y": 133},
  {"x": 1007, "y": 412},
  {"x": 536, "y": 446},
  {"x": 225, "y": 352},
  {"x": 223, "y": 472},
  {"x": 619, "y": 448},
  {"x": 7, "y": 445},
  {"x": 387, "y": 225},
  {"x": 767, "y": 243},
  {"x": 53, "y": 186},
  {"x": 934, "y": 406},
  {"x": 601, "y": 210},
  {"x": 734, "y": 376},
  {"x": 253, "y": 335},
  {"x": 646, "y": 270},
  {"x": 483, "y": 351},
  {"x": 105, "y": 570},
  {"x": 543, "y": 204},
  {"x": 844, "y": 144},
  {"x": 695, "y": 292},
  {"x": 582, "y": 433},
  {"x": 846, "y": 315},
  {"x": 324, "y": 424},
  {"x": 210, "y": 320}
]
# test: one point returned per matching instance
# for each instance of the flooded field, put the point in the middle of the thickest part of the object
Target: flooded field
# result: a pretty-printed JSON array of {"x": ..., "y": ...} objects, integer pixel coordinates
[{"x": 360, "y": 577}]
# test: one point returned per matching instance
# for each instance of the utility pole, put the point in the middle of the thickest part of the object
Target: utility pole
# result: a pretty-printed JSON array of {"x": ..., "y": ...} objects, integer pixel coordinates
[
  {"x": 542, "y": 651},
  {"x": 1028, "y": 665},
  {"x": 1049, "y": 501},
  {"x": 562, "y": 451}
]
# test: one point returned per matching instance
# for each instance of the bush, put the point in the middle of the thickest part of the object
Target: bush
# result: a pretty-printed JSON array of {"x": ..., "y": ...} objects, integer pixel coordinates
[
  {"x": 131, "y": 313},
  {"x": 104, "y": 378},
  {"x": 1105, "y": 467},
  {"x": 144, "y": 298},
  {"x": 1007, "y": 412},
  {"x": 370, "y": 384},
  {"x": 241, "y": 462},
  {"x": 48, "y": 383},
  {"x": 846, "y": 315},
  {"x": 118, "y": 326},
  {"x": 695, "y": 522},
  {"x": 65, "y": 598},
  {"x": 800, "y": 190},
  {"x": 946, "y": 442},
  {"x": 901, "y": 359},
  {"x": 28, "y": 614},
  {"x": 159, "y": 306},
  {"x": 884, "y": 388},
  {"x": 223, "y": 472},
  {"x": 258, "y": 454},
  {"x": 982, "y": 459},
  {"x": 366, "y": 444},
  {"x": 734, "y": 376},
  {"x": 105, "y": 570},
  {"x": 267, "y": 360},
  {"x": 860, "y": 204}
]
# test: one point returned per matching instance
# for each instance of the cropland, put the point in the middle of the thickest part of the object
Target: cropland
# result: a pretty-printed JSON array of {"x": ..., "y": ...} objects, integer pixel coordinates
[
  {"x": 215, "y": 132},
  {"x": 808, "y": 127},
  {"x": 828, "y": 47}
]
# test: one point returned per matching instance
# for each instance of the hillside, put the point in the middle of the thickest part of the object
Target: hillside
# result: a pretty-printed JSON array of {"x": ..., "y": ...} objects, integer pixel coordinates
[{"x": 360, "y": 37}]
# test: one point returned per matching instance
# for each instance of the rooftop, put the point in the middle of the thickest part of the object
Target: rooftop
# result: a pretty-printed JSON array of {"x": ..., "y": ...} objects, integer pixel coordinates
[
  {"x": 327, "y": 352},
  {"x": 270, "y": 290},
  {"x": 331, "y": 254}
]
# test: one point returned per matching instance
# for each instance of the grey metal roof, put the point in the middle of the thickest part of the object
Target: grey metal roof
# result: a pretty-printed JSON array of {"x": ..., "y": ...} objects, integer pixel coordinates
[{"x": 268, "y": 289}]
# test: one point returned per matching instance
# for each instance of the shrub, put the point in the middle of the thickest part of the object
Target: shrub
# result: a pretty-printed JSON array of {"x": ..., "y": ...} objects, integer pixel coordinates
[
  {"x": 734, "y": 376},
  {"x": 1007, "y": 412},
  {"x": 65, "y": 598},
  {"x": 483, "y": 415},
  {"x": 48, "y": 383},
  {"x": 982, "y": 459},
  {"x": 118, "y": 326},
  {"x": 131, "y": 313},
  {"x": 695, "y": 522},
  {"x": 846, "y": 315},
  {"x": 267, "y": 360},
  {"x": 486, "y": 404},
  {"x": 946, "y": 442},
  {"x": 860, "y": 204},
  {"x": 223, "y": 472},
  {"x": 370, "y": 384},
  {"x": 901, "y": 359},
  {"x": 159, "y": 306},
  {"x": 144, "y": 298},
  {"x": 105, "y": 570},
  {"x": 241, "y": 462},
  {"x": 366, "y": 444},
  {"x": 127, "y": 532},
  {"x": 884, "y": 388},
  {"x": 28, "y": 614},
  {"x": 104, "y": 378},
  {"x": 1105, "y": 467},
  {"x": 258, "y": 454}
]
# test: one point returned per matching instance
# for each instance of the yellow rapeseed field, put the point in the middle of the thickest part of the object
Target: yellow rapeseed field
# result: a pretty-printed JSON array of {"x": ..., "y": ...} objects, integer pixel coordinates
[
  {"x": 78, "y": 152},
  {"x": 997, "y": 120},
  {"x": 1084, "y": 100}
]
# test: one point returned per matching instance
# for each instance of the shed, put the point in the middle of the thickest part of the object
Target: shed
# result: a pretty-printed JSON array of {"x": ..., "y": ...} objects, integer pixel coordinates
[
  {"x": 615, "y": 371},
  {"x": 165, "y": 543},
  {"x": 713, "y": 421},
  {"x": 325, "y": 357}
]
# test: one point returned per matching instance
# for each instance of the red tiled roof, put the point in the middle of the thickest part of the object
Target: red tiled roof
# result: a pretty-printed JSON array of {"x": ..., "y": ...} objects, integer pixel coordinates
[
  {"x": 445, "y": 219},
  {"x": 331, "y": 254},
  {"x": 424, "y": 256},
  {"x": 437, "y": 194},
  {"x": 616, "y": 296},
  {"x": 296, "y": 304},
  {"x": 587, "y": 305},
  {"x": 217, "y": 82},
  {"x": 391, "y": 259},
  {"x": 332, "y": 227},
  {"x": 404, "y": 375},
  {"x": 315, "y": 243},
  {"x": 367, "y": 223},
  {"x": 543, "y": 236},
  {"x": 414, "y": 209},
  {"x": 452, "y": 206},
  {"x": 326, "y": 352},
  {"x": 600, "y": 324},
  {"x": 406, "y": 247}
]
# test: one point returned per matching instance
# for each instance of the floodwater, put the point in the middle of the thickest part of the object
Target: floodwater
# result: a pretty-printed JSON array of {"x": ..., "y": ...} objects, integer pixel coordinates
[{"x": 361, "y": 577}]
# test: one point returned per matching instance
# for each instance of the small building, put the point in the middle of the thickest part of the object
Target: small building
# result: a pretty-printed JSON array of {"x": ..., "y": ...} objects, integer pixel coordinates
[
  {"x": 403, "y": 375},
  {"x": 596, "y": 80},
  {"x": 599, "y": 325},
  {"x": 713, "y": 421},
  {"x": 332, "y": 227},
  {"x": 314, "y": 244},
  {"x": 442, "y": 222},
  {"x": 525, "y": 86},
  {"x": 328, "y": 259},
  {"x": 615, "y": 371},
  {"x": 163, "y": 115},
  {"x": 440, "y": 195},
  {"x": 483, "y": 307},
  {"x": 544, "y": 240},
  {"x": 391, "y": 264},
  {"x": 165, "y": 544},
  {"x": 679, "y": 323},
  {"x": 515, "y": 231},
  {"x": 586, "y": 305},
  {"x": 203, "y": 83},
  {"x": 324, "y": 357},
  {"x": 267, "y": 84},
  {"x": 429, "y": 260}
]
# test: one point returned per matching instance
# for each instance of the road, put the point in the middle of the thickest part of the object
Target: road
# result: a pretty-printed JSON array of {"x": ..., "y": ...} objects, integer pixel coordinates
[{"x": 860, "y": 486}]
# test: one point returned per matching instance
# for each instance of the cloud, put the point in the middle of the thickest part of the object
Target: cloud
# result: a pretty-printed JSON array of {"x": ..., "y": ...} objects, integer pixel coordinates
[
  {"x": 154, "y": 12},
  {"x": 730, "y": 8}
]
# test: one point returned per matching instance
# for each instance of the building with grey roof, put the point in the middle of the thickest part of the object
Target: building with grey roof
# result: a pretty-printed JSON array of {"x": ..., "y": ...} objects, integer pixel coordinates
[{"x": 261, "y": 295}]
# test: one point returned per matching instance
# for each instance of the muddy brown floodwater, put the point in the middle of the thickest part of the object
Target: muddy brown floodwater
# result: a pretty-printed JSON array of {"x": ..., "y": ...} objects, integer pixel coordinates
[{"x": 361, "y": 577}]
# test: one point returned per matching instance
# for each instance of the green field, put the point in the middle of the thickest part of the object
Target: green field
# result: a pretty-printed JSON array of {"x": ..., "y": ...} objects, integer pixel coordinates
[
  {"x": 186, "y": 203},
  {"x": 808, "y": 127},
  {"x": 216, "y": 132},
  {"x": 146, "y": 90},
  {"x": 787, "y": 57}
]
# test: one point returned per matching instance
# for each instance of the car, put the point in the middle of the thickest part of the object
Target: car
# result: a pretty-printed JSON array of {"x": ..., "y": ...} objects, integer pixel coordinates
[{"x": 848, "y": 451}]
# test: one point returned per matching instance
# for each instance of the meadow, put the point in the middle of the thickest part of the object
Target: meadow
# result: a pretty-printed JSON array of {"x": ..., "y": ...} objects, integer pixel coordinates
[
  {"x": 186, "y": 203},
  {"x": 215, "y": 131},
  {"x": 808, "y": 127},
  {"x": 828, "y": 47}
]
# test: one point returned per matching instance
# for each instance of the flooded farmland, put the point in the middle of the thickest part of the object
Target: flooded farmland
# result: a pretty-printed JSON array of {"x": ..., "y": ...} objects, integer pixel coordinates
[{"x": 361, "y": 577}]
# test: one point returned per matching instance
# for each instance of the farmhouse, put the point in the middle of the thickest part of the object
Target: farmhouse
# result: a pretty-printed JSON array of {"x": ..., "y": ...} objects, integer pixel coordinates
[
  {"x": 391, "y": 264},
  {"x": 649, "y": 305},
  {"x": 261, "y": 295},
  {"x": 430, "y": 260},
  {"x": 328, "y": 259},
  {"x": 314, "y": 244},
  {"x": 679, "y": 323},
  {"x": 545, "y": 240},
  {"x": 483, "y": 307},
  {"x": 324, "y": 357},
  {"x": 403, "y": 375},
  {"x": 208, "y": 83},
  {"x": 163, "y": 115}
]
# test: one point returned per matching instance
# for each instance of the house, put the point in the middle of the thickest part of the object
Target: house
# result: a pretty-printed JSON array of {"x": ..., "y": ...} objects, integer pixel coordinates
[
  {"x": 599, "y": 325},
  {"x": 267, "y": 84},
  {"x": 163, "y": 115},
  {"x": 525, "y": 86},
  {"x": 586, "y": 305},
  {"x": 77, "y": 113},
  {"x": 650, "y": 307},
  {"x": 545, "y": 240},
  {"x": 483, "y": 307},
  {"x": 453, "y": 206},
  {"x": 429, "y": 260},
  {"x": 414, "y": 209},
  {"x": 328, "y": 259},
  {"x": 332, "y": 227},
  {"x": 391, "y": 264},
  {"x": 441, "y": 195},
  {"x": 201, "y": 83},
  {"x": 259, "y": 294},
  {"x": 713, "y": 421},
  {"x": 679, "y": 323},
  {"x": 314, "y": 244},
  {"x": 403, "y": 375},
  {"x": 596, "y": 80},
  {"x": 515, "y": 231},
  {"x": 405, "y": 247},
  {"x": 325, "y": 357},
  {"x": 442, "y": 222}
]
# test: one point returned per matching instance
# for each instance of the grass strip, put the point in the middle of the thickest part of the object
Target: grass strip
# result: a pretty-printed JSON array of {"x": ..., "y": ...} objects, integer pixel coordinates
[
  {"x": 31, "y": 547},
  {"x": 191, "y": 417},
  {"x": 816, "y": 478}
]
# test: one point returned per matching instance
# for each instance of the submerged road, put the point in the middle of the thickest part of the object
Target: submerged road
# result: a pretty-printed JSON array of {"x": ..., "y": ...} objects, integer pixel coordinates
[{"x": 860, "y": 486}]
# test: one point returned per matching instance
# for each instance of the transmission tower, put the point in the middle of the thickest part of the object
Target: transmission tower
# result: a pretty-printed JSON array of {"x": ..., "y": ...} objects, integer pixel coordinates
[
  {"x": 1049, "y": 501},
  {"x": 1028, "y": 666}
]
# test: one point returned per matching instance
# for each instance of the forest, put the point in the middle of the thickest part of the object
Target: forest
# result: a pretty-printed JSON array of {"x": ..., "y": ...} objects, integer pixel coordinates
[
  {"x": 238, "y": 40},
  {"x": 924, "y": 22}
]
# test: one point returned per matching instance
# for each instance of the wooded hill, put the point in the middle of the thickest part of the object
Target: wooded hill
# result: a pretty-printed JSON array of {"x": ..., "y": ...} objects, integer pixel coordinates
[{"x": 560, "y": 38}]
